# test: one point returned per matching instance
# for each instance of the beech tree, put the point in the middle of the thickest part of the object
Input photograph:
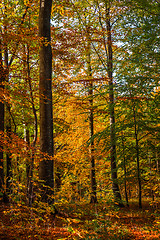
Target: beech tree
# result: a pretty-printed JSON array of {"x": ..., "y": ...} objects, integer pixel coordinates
[
  {"x": 115, "y": 185},
  {"x": 91, "y": 126},
  {"x": 46, "y": 111}
]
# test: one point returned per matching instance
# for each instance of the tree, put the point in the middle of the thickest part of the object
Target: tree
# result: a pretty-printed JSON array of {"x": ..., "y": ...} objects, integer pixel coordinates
[
  {"x": 115, "y": 185},
  {"x": 46, "y": 112},
  {"x": 2, "y": 78},
  {"x": 91, "y": 126}
]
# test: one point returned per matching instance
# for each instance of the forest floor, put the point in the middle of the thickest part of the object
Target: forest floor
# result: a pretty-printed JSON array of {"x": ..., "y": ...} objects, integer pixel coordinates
[{"x": 81, "y": 221}]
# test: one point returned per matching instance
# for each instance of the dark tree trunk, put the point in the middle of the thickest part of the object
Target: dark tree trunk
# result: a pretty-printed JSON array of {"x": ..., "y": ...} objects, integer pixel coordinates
[
  {"x": 91, "y": 150},
  {"x": 8, "y": 128},
  {"x": 26, "y": 139},
  {"x": 31, "y": 161},
  {"x": 125, "y": 172},
  {"x": 91, "y": 124},
  {"x": 2, "y": 77},
  {"x": 29, "y": 170},
  {"x": 9, "y": 160},
  {"x": 137, "y": 157},
  {"x": 115, "y": 186},
  {"x": 45, "y": 87}
]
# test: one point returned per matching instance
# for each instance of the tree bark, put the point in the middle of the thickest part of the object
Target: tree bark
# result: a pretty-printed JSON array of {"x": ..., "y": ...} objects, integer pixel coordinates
[
  {"x": 9, "y": 160},
  {"x": 8, "y": 120},
  {"x": 26, "y": 139},
  {"x": 45, "y": 87},
  {"x": 125, "y": 171},
  {"x": 2, "y": 77},
  {"x": 31, "y": 163},
  {"x": 91, "y": 133},
  {"x": 115, "y": 186},
  {"x": 93, "y": 198},
  {"x": 91, "y": 148},
  {"x": 137, "y": 157}
]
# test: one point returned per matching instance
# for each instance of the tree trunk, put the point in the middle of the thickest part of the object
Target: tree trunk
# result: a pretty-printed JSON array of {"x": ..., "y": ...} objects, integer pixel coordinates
[
  {"x": 8, "y": 127},
  {"x": 29, "y": 170},
  {"x": 91, "y": 147},
  {"x": 45, "y": 87},
  {"x": 125, "y": 171},
  {"x": 9, "y": 160},
  {"x": 91, "y": 124},
  {"x": 137, "y": 157},
  {"x": 2, "y": 77},
  {"x": 31, "y": 163},
  {"x": 115, "y": 186}
]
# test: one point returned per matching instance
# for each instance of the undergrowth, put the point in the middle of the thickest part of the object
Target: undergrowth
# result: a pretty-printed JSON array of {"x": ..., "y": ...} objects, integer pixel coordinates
[{"x": 80, "y": 221}]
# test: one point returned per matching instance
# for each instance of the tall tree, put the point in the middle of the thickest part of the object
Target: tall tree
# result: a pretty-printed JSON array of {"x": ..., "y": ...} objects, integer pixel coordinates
[
  {"x": 115, "y": 186},
  {"x": 45, "y": 88},
  {"x": 91, "y": 126},
  {"x": 2, "y": 78}
]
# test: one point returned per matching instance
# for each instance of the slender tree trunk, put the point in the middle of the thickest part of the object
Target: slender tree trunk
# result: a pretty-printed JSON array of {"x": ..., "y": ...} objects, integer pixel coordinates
[
  {"x": 125, "y": 172},
  {"x": 8, "y": 127},
  {"x": 29, "y": 170},
  {"x": 26, "y": 139},
  {"x": 91, "y": 148},
  {"x": 137, "y": 157},
  {"x": 45, "y": 87},
  {"x": 9, "y": 160},
  {"x": 115, "y": 186},
  {"x": 91, "y": 124},
  {"x": 31, "y": 163},
  {"x": 2, "y": 77}
]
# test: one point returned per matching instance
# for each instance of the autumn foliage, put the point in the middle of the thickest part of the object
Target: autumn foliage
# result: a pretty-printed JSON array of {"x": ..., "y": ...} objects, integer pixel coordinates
[{"x": 79, "y": 119}]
